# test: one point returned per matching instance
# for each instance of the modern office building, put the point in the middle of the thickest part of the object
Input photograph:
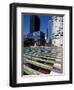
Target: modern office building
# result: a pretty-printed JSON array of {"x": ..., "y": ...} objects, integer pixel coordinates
[
  {"x": 57, "y": 30},
  {"x": 29, "y": 38},
  {"x": 34, "y": 23},
  {"x": 39, "y": 37},
  {"x": 47, "y": 37},
  {"x": 35, "y": 35},
  {"x": 48, "y": 33}
]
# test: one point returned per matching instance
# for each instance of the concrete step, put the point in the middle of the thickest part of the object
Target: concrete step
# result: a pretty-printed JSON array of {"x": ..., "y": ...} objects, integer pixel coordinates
[{"x": 38, "y": 64}]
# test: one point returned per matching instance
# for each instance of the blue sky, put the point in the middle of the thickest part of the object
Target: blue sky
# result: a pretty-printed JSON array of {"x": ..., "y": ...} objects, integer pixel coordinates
[{"x": 43, "y": 23}]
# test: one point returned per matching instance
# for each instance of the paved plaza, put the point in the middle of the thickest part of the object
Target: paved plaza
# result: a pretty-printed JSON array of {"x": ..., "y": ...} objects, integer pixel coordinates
[{"x": 42, "y": 60}]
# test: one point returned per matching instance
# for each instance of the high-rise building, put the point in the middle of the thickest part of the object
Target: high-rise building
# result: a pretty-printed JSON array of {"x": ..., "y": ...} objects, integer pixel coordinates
[
  {"x": 34, "y": 23},
  {"x": 49, "y": 32},
  {"x": 31, "y": 24},
  {"x": 47, "y": 37},
  {"x": 57, "y": 30}
]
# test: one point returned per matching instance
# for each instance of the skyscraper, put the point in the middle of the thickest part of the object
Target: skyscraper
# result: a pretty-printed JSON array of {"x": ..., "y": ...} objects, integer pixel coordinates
[
  {"x": 49, "y": 32},
  {"x": 57, "y": 30},
  {"x": 34, "y": 23}
]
